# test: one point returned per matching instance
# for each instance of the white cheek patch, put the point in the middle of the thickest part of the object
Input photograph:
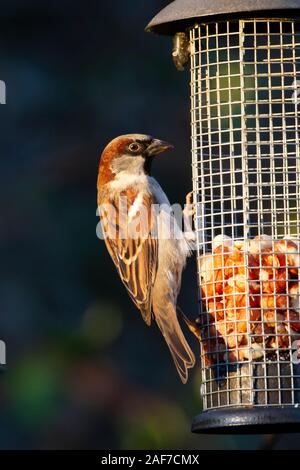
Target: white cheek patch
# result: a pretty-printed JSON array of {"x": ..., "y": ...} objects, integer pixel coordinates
[{"x": 129, "y": 172}]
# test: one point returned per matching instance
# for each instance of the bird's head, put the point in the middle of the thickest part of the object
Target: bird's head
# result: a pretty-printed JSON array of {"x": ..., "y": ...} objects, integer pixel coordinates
[{"x": 132, "y": 153}]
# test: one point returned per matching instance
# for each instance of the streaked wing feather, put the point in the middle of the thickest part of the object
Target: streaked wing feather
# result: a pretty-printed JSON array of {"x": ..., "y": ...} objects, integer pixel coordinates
[{"x": 136, "y": 262}]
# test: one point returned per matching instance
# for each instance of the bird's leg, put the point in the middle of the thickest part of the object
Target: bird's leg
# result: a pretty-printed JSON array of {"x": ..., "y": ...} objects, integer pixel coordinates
[
  {"x": 189, "y": 212},
  {"x": 189, "y": 209},
  {"x": 193, "y": 326}
]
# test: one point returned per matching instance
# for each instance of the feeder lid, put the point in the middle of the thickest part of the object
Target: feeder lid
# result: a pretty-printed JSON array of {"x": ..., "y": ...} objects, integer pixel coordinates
[{"x": 177, "y": 15}]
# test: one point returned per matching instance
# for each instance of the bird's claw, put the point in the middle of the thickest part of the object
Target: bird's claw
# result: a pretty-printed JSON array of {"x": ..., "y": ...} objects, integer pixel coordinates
[
  {"x": 188, "y": 215},
  {"x": 189, "y": 209}
]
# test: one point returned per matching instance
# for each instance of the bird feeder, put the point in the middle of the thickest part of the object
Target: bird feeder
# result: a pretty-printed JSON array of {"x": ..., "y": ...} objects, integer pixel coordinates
[{"x": 244, "y": 61}]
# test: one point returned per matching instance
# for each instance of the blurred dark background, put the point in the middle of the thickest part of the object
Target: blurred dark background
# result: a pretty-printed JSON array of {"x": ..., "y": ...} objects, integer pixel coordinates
[{"x": 83, "y": 371}]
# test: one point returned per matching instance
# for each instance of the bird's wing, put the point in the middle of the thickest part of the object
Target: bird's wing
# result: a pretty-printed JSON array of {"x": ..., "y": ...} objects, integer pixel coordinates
[{"x": 133, "y": 246}]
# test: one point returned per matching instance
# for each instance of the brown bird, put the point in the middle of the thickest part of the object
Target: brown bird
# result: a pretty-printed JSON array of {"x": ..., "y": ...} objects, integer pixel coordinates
[{"x": 147, "y": 254}]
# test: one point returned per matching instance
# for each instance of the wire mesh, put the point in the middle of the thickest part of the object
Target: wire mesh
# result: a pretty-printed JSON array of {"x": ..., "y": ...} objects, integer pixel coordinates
[{"x": 245, "y": 84}]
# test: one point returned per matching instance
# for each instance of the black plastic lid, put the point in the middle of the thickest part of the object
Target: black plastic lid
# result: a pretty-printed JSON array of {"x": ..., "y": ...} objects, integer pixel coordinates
[{"x": 177, "y": 15}]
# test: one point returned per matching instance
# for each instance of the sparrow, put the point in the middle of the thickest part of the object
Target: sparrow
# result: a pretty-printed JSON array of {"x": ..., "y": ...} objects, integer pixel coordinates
[{"x": 148, "y": 258}]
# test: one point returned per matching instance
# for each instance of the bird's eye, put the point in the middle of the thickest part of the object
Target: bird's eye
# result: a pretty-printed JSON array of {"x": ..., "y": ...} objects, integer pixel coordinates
[{"x": 135, "y": 148}]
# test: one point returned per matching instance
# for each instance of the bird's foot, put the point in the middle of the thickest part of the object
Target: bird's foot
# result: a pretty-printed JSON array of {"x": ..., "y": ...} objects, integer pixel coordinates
[
  {"x": 193, "y": 326},
  {"x": 189, "y": 209},
  {"x": 188, "y": 215}
]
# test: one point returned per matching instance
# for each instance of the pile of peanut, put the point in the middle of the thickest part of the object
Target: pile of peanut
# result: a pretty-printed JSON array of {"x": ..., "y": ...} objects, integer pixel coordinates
[{"x": 251, "y": 293}]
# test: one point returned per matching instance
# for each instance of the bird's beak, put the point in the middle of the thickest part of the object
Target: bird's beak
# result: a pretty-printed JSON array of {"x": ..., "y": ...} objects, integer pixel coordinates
[{"x": 157, "y": 147}]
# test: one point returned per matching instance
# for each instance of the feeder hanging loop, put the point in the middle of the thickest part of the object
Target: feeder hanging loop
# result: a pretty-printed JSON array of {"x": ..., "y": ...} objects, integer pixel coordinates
[{"x": 181, "y": 50}]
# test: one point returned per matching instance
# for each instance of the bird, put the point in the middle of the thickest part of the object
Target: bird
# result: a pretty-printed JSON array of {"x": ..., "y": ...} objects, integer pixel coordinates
[{"x": 148, "y": 258}]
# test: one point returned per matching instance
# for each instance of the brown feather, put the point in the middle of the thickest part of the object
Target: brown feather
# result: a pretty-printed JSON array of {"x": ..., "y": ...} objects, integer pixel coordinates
[
  {"x": 135, "y": 259},
  {"x": 113, "y": 150},
  {"x": 166, "y": 319}
]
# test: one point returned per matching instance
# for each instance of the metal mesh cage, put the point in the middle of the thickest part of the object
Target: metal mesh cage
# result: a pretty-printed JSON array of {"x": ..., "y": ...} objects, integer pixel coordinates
[{"x": 246, "y": 176}]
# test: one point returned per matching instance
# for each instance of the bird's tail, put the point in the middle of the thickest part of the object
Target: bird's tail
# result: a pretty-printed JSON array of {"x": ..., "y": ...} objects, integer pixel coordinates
[{"x": 183, "y": 356}]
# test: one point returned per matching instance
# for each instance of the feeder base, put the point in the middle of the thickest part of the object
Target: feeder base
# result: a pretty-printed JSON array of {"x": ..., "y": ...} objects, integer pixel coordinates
[{"x": 248, "y": 420}]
